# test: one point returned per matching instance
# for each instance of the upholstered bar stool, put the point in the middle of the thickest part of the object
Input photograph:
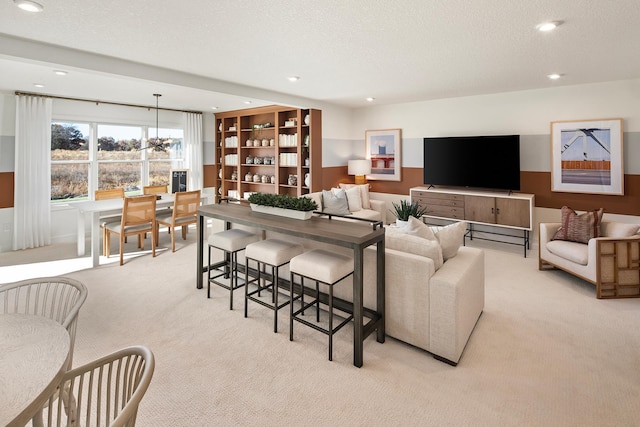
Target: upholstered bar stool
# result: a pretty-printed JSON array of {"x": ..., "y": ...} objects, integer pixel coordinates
[
  {"x": 324, "y": 267},
  {"x": 272, "y": 253},
  {"x": 230, "y": 242}
]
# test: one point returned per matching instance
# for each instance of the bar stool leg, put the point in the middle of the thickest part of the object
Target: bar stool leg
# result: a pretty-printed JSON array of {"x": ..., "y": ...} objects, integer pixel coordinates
[
  {"x": 209, "y": 274},
  {"x": 274, "y": 296},
  {"x": 291, "y": 296},
  {"x": 330, "y": 322}
]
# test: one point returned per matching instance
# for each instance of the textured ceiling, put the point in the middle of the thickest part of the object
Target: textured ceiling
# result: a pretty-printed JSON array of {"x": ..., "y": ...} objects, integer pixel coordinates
[{"x": 228, "y": 51}]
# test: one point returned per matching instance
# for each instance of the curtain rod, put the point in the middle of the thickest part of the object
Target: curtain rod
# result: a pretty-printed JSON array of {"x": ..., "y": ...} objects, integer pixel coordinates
[{"x": 149, "y": 107}]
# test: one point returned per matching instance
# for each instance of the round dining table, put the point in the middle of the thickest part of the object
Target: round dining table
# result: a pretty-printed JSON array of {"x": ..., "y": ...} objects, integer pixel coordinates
[{"x": 33, "y": 355}]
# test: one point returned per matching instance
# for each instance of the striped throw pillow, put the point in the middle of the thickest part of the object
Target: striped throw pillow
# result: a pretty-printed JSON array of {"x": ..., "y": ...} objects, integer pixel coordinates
[{"x": 579, "y": 227}]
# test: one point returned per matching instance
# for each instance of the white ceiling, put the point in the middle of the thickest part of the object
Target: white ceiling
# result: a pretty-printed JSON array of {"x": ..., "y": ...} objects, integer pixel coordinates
[{"x": 204, "y": 53}]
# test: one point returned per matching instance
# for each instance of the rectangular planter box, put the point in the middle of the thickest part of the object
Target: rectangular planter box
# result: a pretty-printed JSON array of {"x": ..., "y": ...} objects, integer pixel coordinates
[{"x": 288, "y": 213}]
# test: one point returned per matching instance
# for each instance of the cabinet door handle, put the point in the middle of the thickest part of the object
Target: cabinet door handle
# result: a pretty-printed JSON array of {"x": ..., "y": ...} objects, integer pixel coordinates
[
  {"x": 498, "y": 211},
  {"x": 492, "y": 210}
]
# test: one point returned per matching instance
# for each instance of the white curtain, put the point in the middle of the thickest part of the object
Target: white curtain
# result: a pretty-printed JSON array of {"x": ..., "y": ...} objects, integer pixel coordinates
[
  {"x": 32, "y": 200},
  {"x": 193, "y": 149}
]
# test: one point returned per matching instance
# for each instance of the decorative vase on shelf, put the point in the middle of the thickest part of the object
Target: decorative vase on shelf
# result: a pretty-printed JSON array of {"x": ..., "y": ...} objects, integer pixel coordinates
[
  {"x": 307, "y": 179},
  {"x": 307, "y": 119},
  {"x": 293, "y": 180},
  {"x": 256, "y": 178},
  {"x": 234, "y": 175},
  {"x": 248, "y": 177}
]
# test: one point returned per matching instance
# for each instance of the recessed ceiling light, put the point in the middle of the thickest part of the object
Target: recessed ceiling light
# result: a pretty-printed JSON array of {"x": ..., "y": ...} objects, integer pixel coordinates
[
  {"x": 554, "y": 76},
  {"x": 214, "y": 108},
  {"x": 247, "y": 102},
  {"x": 38, "y": 85},
  {"x": 548, "y": 26},
  {"x": 293, "y": 78},
  {"x": 28, "y": 5},
  {"x": 370, "y": 99},
  {"x": 60, "y": 73}
]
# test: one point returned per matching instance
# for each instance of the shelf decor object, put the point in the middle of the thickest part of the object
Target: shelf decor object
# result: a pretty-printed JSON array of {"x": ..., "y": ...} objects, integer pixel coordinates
[
  {"x": 383, "y": 149},
  {"x": 586, "y": 157},
  {"x": 360, "y": 168}
]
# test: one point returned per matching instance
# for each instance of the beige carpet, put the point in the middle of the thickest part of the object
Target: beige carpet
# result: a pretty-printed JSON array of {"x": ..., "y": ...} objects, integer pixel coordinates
[{"x": 545, "y": 352}]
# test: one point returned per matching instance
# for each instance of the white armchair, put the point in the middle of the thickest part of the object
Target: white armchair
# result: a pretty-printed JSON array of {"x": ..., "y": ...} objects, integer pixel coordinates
[{"x": 611, "y": 262}]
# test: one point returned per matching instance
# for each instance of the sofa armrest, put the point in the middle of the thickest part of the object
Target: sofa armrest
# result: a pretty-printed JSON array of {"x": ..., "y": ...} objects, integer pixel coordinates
[
  {"x": 456, "y": 302},
  {"x": 381, "y": 207}
]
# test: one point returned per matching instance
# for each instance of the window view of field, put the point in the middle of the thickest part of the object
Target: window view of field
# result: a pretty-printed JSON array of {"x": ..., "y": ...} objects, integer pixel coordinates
[{"x": 121, "y": 155}]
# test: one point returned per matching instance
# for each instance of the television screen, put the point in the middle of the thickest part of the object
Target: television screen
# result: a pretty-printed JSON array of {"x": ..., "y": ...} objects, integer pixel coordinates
[{"x": 489, "y": 162}]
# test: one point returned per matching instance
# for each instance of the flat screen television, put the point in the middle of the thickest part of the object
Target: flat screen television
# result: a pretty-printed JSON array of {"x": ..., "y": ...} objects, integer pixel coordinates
[{"x": 483, "y": 162}]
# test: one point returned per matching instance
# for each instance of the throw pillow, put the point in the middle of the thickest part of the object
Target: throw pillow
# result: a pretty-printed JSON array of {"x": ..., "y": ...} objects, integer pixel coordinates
[
  {"x": 578, "y": 228},
  {"x": 450, "y": 238},
  {"x": 335, "y": 202},
  {"x": 415, "y": 245},
  {"x": 364, "y": 193},
  {"x": 354, "y": 199},
  {"x": 619, "y": 229},
  {"x": 416, "y": 227}
]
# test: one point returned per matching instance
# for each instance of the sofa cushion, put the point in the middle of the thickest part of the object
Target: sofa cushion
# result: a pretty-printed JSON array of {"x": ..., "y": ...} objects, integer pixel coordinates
[
  {"x": 572, "y": 251},
  {"x": 395, "y": 239},
  {"x": 450, "y": 238},
  {"x": 364, "y": 193},
  {"x": 335, "y": 202},
  {"x": 578, "y": 227},
  {"x": 618, "y": 229},
  {"x": 367, "y": 214},
  {"x": 416, "y": 227},
  {"x": 316, "y": 197},
  {"x": 354, "y": 199}
]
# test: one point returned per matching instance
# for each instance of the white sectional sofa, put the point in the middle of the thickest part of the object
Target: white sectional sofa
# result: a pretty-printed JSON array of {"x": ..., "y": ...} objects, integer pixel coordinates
[
  {"x": 364, "y": 207},
  {"x": 431, "y": 302}
]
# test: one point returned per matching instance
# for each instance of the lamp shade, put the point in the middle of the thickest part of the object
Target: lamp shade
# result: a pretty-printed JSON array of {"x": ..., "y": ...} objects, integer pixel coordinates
[{"x": 359, "y": 167}]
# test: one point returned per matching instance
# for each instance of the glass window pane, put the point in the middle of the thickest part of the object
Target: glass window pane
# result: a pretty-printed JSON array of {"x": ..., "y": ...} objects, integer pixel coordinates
[
  {"x": 167, "y": 145},
  {"x": 69, "y": 141},
  {"x": 159, "y": 173},
  {"x": 119, "y": 142},
  {"x": 69, "y": 181},
  {"x": 120, "y": 175}
]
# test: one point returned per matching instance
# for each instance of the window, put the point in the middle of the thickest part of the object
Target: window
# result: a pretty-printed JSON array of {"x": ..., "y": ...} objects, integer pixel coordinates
[{"x": 90, "y": 156}]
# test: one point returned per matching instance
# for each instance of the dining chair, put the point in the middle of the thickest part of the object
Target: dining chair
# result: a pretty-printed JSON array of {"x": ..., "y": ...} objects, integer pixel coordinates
[
  {"x": 112, "y": 193},
  {"x": 185, "y": 212},
  {"x": 155, "y": 189},
  {"x": 104, "y": 392},
  {"x": 57, "y": 298},
  {"x": 138, "y": 218}
]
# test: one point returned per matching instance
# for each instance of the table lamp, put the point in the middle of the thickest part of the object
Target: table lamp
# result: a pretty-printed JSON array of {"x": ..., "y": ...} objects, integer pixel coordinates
[{"x": 359, "y": 168}]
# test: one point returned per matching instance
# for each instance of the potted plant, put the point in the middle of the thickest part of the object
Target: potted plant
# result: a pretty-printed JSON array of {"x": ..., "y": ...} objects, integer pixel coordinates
[
  {"x": 406, "y": 209},
  {"x": 283, "y": 204}
]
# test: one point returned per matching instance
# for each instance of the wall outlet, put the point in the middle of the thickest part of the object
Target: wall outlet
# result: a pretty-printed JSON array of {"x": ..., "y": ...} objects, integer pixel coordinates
[{"x": 6, "y": 227}]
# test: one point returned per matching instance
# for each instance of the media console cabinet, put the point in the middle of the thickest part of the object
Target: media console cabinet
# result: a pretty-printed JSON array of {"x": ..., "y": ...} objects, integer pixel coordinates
[{"x": 496, "y": 209}]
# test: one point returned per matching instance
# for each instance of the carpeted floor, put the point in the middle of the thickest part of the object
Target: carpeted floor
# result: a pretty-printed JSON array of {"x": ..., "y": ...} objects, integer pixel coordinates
[{"x": 545, "y": 352}]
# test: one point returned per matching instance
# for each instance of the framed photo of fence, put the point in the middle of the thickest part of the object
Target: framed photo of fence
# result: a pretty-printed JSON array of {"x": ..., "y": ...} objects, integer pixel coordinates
[{"x": 586, "y": 156}]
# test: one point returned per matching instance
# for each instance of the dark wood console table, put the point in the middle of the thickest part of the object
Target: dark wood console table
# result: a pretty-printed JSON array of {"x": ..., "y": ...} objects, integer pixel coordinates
[{"x": 354, "y": 235}]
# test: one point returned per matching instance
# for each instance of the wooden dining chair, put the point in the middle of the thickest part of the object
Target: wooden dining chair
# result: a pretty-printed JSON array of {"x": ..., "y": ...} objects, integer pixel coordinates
[
  {"x": 112, "y": 193},
  {"x": 104, "y": 392},
  {"x": 185, "y": 212},
  {"x": 138, "y": 218},
  {"x": 155, "y": 189}
]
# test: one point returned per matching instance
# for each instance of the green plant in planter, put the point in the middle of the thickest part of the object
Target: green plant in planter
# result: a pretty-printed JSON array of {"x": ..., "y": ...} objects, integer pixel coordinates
[
  {"x": 404, "y": 210},
  {"x": 283, "y": 201}
]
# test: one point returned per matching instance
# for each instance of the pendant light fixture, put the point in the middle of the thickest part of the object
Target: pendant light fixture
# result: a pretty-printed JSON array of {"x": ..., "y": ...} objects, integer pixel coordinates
[{"x": 156, "y": 144}]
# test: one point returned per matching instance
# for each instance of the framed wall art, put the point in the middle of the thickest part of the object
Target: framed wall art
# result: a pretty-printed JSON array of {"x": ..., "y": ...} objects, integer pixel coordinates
[
  {"x": 383, "y": 148},
  {"x": 586, "y": 156}
]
